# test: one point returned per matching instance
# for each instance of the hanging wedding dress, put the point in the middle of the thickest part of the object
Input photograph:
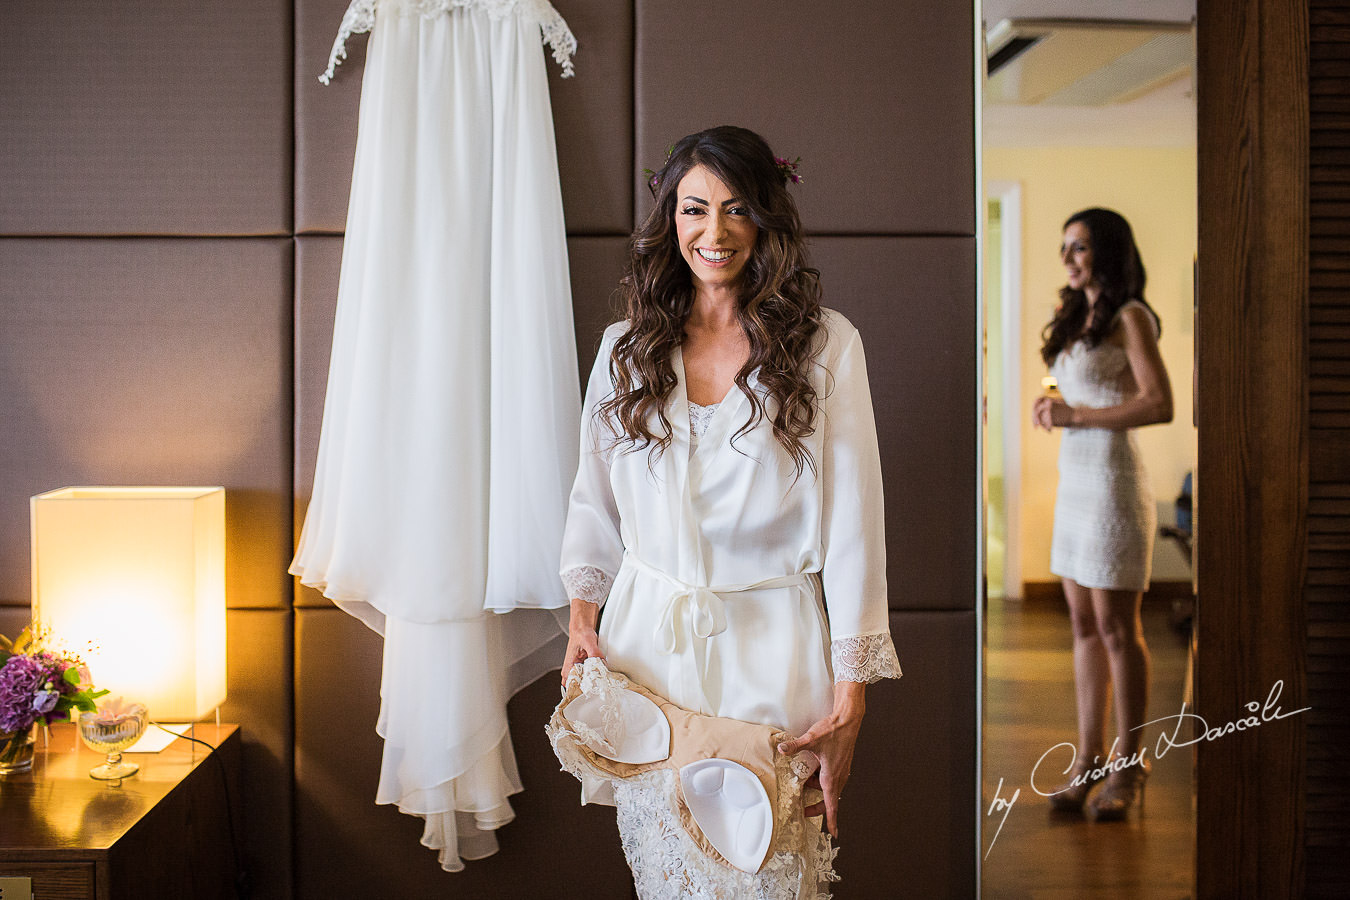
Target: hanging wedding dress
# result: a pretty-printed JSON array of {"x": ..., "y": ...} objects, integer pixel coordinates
[{"x": 449, "y": 429}]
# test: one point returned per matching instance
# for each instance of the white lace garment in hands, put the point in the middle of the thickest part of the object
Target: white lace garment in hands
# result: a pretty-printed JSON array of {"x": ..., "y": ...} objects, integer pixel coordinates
[{"x": 618, "y": 743}]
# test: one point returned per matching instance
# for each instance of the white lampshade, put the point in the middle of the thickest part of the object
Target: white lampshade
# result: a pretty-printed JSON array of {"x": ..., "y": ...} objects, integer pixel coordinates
[{"x": 133, "y": 580}]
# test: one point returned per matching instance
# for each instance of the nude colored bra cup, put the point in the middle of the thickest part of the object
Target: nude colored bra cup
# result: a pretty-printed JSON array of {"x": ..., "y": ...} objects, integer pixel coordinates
[
  {"x": 645, "y": 737},
  {"x": 731, "y": 807},
  {"x": 626, "y": 730}
]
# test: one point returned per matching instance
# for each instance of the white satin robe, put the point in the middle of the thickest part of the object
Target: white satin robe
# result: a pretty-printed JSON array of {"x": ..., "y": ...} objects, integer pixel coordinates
[{"x": 719, "y": 556}]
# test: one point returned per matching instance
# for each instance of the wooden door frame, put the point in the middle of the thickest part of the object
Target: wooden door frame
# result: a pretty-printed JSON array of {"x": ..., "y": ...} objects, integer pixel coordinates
[{"x": 1251, "y": 487}]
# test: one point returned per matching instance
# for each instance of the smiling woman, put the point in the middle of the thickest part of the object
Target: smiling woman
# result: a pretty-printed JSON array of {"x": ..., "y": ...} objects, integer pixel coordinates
[
  {"x": 730, "y": 477},
  {"x": 716, "y": 234},
  {"x": 1102, "y": 348},
  {"x": 771, "y": 301}
]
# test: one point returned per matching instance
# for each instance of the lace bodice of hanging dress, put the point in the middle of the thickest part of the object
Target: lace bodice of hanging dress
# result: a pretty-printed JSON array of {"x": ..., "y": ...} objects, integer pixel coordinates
[
  {"x": 449, "y": 426},
  {"x": 360, "y": 18}
]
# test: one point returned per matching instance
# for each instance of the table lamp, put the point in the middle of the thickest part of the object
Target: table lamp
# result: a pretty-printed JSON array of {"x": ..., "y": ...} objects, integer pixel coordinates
[{"x": 133, "y": 580}]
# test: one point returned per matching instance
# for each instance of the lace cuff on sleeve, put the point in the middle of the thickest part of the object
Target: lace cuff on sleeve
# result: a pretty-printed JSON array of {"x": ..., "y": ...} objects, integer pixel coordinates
[
  {"x": 587, "y": 583},
  {"x": 866, "y": 658}
]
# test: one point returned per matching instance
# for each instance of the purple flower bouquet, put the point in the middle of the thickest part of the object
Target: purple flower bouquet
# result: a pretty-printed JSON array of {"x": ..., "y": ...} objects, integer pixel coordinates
[{"x": 37, "y": 684}]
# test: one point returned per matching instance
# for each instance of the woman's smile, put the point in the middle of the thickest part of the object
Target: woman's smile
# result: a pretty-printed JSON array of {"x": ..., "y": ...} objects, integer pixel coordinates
[
  {"x": 1076, "y": 254},
  {"x": 714, "y": 229}
]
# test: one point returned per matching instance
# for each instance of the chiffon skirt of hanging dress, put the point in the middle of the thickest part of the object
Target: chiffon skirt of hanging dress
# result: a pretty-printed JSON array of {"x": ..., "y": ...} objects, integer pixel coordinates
[{"x": 448, "y": 442}]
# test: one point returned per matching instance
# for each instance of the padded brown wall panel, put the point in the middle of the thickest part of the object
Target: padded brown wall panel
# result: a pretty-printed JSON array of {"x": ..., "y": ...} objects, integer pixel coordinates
[
  {"x": 260, "y": 645},
  {"x": 140, "y": 118},
  {"x": 317, "y": 263},
  {"x": 346, "y": 845},
  {"x": 907, "y": 820},
  {"x": 596, "y": 264},
  {"x": 876, "y": 97},
  {"x": 592, "y": 114},
  {"x": 14, "y": 619},
  {"x": 593, "y": 118},
  {"x": 325, "y": 117},
  {"x": 150, "y": 361},
  {"x": 913, "y": 301}
]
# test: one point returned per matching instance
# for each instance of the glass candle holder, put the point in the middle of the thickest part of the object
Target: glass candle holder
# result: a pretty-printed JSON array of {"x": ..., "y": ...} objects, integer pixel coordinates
[{"x": 111, "y": 734}]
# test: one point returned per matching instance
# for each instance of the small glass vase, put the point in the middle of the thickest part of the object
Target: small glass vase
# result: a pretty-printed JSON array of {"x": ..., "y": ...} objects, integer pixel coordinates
[
  {"x": 16, "y": 751},
  {"x": 111, "y": 735}
]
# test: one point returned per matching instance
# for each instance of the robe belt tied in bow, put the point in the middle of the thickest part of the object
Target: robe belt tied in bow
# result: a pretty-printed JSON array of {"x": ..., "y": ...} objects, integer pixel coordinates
[{"x": 707, "y": 613}]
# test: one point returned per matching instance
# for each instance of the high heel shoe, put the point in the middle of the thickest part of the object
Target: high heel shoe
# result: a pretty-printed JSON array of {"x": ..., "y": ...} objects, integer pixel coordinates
[
  {"x": 1069, "y": 796},
  {"x": 1122, "y": 789}
]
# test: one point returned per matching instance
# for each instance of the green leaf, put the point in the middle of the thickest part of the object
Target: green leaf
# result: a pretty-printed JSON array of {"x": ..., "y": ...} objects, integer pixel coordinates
[{"x": 72, "y": 676}]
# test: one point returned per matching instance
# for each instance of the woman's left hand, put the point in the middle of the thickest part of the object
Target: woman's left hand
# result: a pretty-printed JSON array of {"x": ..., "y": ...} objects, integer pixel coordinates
[
  {"x": 832, "y": 740},
  {"x": 1049, "y": 412}
]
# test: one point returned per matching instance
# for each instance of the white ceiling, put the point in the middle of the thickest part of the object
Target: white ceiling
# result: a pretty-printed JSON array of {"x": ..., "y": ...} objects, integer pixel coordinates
[
  {"x": 1154, "y": 10},
  {"x": 1163, "y": 118}
]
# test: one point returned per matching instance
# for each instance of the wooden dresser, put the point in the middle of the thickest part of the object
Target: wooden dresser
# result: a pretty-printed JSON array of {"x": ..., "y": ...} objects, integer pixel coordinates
[{"x": 162, "y": 833}]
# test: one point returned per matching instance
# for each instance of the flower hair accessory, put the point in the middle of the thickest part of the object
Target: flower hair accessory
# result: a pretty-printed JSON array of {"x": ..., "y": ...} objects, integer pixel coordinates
[
  {"x": 789, "y": 169},
  {"x": 654, "y": 178}
]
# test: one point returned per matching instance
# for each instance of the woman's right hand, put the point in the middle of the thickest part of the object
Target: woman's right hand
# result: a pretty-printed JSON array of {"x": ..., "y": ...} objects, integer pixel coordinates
[
  {"x": 582, "y": 640},
  {"x": 1049, "y": 412},
  {"x": 1040, "y": 413}
]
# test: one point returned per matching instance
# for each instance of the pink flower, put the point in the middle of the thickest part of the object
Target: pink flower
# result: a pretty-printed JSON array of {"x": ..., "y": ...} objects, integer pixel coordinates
[
  {"x": 112, "y": 712},
  {"x": 788, "y": 169}
]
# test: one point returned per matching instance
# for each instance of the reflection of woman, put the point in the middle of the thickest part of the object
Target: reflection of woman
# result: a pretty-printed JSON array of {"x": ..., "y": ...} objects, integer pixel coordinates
[
  {"x": 1102, "y": 347},
  {"x": 730, "y": 470}
]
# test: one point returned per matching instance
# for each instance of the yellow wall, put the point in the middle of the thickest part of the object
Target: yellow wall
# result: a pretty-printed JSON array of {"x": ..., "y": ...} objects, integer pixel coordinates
[
  {"x": 1153, "y": 187},
  {"x": 995, "y": 539}
]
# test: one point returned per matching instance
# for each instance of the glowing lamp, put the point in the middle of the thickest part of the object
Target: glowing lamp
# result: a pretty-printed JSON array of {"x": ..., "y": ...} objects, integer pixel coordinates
[{"x": 133, "y": 579}]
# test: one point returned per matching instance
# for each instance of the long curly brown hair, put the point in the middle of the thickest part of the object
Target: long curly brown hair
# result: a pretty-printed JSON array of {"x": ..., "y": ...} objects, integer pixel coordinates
[
  {"x": 1116, "y": 267},
  {"x": 778, "y": 306}
]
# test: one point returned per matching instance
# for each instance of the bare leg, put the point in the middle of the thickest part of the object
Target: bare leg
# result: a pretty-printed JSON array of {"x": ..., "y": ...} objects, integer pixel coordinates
[
  {"x": 1091, "y": 679},
  {"x": 1122, "y": 634},
  {"x": 1091, "y": 672}
]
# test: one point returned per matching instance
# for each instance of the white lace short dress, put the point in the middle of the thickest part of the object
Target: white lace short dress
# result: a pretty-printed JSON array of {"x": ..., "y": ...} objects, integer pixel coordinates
[{"x": 1105, "y": 517}]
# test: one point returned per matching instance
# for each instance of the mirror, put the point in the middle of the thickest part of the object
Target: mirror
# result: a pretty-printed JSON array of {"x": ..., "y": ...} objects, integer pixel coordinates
[{"x": 1080, "y": 114}]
